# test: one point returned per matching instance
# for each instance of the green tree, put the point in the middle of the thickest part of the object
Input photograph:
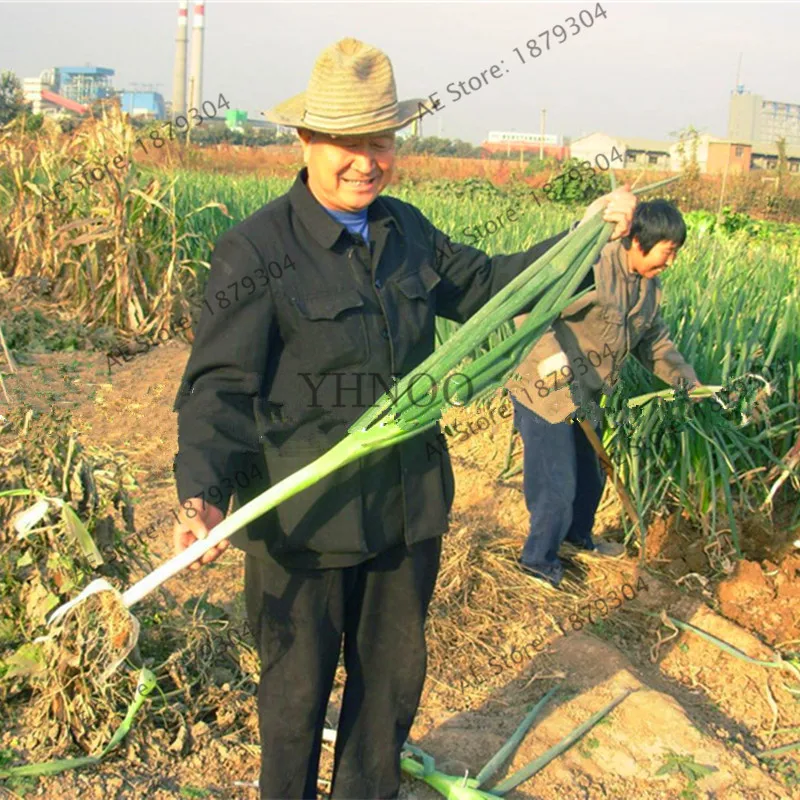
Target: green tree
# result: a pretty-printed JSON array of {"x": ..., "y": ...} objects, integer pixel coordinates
[
  {"x": 12, "y": 100},
  {"x": 436, "y": 146},
  {"x": 690, "y": 165}
]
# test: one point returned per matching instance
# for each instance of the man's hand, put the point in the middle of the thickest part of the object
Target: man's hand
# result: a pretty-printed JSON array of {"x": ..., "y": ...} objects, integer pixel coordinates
[
  {"x": 197, "y": 526},
  {"x": 619, "y": 206}
]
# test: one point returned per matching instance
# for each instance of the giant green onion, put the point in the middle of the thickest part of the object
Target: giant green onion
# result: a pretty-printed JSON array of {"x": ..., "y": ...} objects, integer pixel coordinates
[
  {"x": 529, "y": 770},
  {"x": 502, "y": 755},
  {"x": 553, "y": 277}
]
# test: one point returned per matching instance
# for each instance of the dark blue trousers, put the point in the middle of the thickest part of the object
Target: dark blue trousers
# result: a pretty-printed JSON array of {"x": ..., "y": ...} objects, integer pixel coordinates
[{"x": 563, "y": 484}]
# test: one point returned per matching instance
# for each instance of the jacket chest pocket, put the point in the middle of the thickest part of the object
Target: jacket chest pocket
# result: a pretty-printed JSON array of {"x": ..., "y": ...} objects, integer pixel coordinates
[
  {"x": 641, "y": 321},
  {"x": 332, "y": 331},
  {"x": 415, "y": 309}
]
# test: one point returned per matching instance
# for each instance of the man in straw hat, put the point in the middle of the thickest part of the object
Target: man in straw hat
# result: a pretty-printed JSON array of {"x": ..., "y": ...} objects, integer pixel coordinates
[{"x": 318, "y": 288}]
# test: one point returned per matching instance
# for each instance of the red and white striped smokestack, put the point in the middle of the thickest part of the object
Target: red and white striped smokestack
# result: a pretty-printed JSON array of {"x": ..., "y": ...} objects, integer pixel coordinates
[
  {"x": 196, "y": 81},
  {"x": 179, "y": 72}
]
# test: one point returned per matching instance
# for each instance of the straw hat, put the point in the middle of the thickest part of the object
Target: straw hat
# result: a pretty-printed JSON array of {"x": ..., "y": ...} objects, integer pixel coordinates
[{"x": 351, "y": 92}]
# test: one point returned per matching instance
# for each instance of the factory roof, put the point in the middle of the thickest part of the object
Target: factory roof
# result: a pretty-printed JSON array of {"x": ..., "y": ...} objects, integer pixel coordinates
[
  {"x": 630, "y": 142},
  {"x": 650, "y": 145},
  {"x": 771, "y": 149},
  {"x": 85, "y": 70},
  {"x": 64, "y": 102}
]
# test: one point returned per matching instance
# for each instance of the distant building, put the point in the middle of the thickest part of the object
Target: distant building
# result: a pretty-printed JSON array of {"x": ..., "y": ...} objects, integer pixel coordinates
[
  {"x": 715, "y": 155},
  {"x": 712, "y": 154},
  {"x": 765, "y": 156},
  {"x": 44, "y": 99},
  {"x": 599, "y": 148},
  {"x": 751, "y": 118},
  {"x": 84, "y": 85},
  {"x": 144, "y": 105},
  {"x": 68, "y": 91},
  {"x": 645, "y": 153},
  {"x": 511, "y": 142},
  {"x": 501, "y": 137}
]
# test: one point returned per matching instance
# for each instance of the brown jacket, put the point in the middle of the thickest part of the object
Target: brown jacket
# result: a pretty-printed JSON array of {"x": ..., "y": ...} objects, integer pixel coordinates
[{"x": 582, "y": 353}]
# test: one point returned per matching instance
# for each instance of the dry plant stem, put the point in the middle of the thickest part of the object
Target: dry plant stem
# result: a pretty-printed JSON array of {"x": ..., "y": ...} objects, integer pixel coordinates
[
  {"x": 3, "y": 387},
  {"x": 95, "y": 637},
  {"x": 7, "y": 354},
  {"x": 773, "y": 707}
]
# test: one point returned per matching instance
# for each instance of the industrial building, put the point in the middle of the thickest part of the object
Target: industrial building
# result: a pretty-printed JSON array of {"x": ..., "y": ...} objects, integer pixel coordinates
[
  {"x": 751, "y": 118},
  {"x": 70, "y": 91},
  {"x": 43, "y": 100},
  {"x": 84, "y": 85},
  {"x": 144, "y": 105},
  {"x": 194, "y": 90}
]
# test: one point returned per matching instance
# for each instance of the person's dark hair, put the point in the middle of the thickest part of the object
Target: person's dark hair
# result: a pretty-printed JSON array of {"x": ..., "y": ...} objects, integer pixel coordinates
[{"x": 655, "y": 221}]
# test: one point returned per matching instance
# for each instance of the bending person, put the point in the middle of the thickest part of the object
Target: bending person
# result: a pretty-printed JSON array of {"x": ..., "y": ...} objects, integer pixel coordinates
[{"x": 566, "y": 371}]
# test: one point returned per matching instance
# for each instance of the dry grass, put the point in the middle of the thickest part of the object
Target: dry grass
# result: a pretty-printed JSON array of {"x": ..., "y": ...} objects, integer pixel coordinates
[
  {"x": 115, "y": 251},
  {"x": 484, "y": 608},
  {"x": 55, "y": 693}
]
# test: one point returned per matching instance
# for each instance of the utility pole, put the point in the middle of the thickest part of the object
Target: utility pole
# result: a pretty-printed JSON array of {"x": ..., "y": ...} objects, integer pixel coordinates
[{"x": 541, "y": 132}]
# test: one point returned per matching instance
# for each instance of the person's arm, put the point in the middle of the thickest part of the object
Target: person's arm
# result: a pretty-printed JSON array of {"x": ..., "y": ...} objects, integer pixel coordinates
[
  {"x": 660, "y": 356},
  {"x": 216, "y": 426}
]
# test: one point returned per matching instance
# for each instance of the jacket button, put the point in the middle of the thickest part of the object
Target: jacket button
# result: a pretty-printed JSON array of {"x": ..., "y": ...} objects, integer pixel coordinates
[
  {"x": 378, "y": 283},
  {"x": 385, "y": 333}
]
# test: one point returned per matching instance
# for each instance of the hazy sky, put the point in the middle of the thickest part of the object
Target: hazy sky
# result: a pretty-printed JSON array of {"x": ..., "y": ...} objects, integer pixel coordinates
[{"x": 645, "y": 70}]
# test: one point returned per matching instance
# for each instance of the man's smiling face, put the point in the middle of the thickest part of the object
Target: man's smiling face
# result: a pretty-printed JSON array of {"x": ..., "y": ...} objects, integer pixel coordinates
[{"x": 346, "y": 173}]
